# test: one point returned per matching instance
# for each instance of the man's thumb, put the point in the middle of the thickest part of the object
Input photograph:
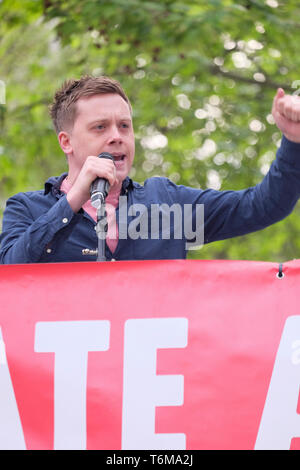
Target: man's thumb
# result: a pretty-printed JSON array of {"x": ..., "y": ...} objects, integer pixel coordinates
[{"x": 280, "y": 93}]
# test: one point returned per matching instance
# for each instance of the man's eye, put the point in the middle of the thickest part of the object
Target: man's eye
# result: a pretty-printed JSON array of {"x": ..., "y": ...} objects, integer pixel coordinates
[
  {"x": 124, "y": 125},
  {"x": 100, "y": 126}
]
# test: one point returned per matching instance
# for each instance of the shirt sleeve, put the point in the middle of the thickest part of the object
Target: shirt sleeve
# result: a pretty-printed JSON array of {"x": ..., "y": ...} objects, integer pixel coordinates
[
  {"x": 25, "y": 237},
  {"x": 233, "y": 213}
]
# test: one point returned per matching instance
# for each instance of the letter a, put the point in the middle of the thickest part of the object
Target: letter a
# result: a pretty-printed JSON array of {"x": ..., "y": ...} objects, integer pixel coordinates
[
  {"x": 11, "y": 432},
  {"x": 280, "y": 421}
]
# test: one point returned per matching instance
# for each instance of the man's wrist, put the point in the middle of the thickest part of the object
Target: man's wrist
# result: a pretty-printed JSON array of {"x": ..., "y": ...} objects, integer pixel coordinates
[{"x": 75, "y": 201}]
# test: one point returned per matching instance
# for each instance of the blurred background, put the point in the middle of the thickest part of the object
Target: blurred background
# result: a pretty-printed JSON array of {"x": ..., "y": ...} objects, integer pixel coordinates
[{"x": 201, "y": 76}]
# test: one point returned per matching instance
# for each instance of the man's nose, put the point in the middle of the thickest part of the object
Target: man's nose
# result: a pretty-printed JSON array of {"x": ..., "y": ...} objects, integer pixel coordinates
[{"x": 115, "y": 134}]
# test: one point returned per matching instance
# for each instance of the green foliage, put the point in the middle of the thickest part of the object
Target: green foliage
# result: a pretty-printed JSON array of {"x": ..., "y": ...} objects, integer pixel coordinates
[{"x": 201, "y": 77}]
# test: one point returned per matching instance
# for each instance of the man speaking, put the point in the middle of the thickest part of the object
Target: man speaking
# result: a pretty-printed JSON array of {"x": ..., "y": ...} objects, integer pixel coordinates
[{"x": 92, "y": 116}]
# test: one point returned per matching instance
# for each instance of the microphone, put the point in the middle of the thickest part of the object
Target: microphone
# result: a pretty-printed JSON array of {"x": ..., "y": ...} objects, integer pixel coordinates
[{"x": 100, "y": 187}]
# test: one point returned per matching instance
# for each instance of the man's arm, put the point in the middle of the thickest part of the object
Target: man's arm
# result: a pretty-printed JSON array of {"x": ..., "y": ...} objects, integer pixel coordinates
[
  {"x": 230, "y": 213},
  {"x": 233, "y": 213},
  {"x": 25, "y": 235}
]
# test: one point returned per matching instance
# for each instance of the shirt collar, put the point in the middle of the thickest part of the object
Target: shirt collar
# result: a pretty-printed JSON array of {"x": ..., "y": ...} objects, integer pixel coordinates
[{"x": 54, "y": 183}]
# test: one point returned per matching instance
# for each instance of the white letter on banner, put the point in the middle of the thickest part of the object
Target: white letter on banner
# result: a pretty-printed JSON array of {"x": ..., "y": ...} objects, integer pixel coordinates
[
  {"x": 280, "y": 421},
  {"x": 11, "y": 432},
  {"x": 143, "y": 390},
  {"x": 71, "y": 341}
]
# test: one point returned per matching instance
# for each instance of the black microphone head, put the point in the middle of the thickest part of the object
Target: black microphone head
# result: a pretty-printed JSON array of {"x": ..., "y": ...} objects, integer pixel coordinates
[{"x": 106, "y": 155}]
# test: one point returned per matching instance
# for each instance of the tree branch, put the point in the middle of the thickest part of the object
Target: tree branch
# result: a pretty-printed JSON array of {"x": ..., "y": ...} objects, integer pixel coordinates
[{"x": 215, "y": 70}]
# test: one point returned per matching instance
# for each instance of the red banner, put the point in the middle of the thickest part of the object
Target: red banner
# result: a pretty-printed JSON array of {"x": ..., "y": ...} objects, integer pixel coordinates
[{"x": 150, "y": 355}]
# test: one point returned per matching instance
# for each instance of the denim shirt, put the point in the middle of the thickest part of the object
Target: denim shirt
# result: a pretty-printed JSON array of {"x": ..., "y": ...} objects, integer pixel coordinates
[{"x": 40, "y": 226}]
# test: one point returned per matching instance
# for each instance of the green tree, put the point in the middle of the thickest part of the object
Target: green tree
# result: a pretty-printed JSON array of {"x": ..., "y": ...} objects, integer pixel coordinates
[{"x": 201, "y": 77}]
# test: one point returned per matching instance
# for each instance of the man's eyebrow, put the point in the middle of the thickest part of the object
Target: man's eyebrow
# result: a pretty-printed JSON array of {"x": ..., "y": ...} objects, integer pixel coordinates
[{"x": 95, "y": 121}]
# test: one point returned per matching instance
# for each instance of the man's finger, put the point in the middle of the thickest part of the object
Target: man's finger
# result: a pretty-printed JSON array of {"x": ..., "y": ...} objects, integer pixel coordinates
[{"x": 279, "y": 94}]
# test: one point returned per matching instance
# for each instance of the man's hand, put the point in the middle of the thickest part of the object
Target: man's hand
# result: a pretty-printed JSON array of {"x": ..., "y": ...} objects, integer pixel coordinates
[
  {"x": 286, "y": 113},
  {"x": 92, "y": 168}
]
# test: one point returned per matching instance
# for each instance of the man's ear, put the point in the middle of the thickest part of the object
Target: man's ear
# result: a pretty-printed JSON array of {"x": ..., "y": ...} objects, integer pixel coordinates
[{"x": 64, "y": 142}]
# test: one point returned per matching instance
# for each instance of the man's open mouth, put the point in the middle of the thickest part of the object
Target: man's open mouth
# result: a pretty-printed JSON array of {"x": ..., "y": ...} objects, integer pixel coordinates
[{"x": 119, "y": 157}]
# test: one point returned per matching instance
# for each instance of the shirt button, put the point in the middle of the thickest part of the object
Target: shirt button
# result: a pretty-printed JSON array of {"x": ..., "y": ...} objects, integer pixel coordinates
[
  {"x": 65, "y": 220},
  {"x": 49, "y": 250}
]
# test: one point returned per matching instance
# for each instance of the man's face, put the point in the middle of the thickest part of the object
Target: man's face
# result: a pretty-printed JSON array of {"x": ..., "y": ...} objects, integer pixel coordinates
[{"x": 103, "y": 124}]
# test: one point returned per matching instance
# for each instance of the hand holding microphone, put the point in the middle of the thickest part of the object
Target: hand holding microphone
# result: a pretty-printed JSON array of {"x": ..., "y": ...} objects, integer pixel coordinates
[
  {"x": 100, "y": 186},
  {"x": 92, "y": 179}
]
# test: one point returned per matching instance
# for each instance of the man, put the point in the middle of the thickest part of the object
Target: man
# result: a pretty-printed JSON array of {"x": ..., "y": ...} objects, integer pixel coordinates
[{"x": 93, "y": 115}]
